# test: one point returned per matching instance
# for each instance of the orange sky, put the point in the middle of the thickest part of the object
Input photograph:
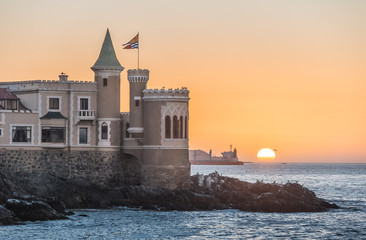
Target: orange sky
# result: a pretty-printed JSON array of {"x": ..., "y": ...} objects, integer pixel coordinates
[{"x": 286, "y": 74}]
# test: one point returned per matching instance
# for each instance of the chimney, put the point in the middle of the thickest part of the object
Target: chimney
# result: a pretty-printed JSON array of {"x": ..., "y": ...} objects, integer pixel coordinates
[{"x": 63, "y": 77}]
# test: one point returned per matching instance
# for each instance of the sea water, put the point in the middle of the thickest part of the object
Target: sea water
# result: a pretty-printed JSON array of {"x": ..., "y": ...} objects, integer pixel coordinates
[{"x": 343, "y": 184}]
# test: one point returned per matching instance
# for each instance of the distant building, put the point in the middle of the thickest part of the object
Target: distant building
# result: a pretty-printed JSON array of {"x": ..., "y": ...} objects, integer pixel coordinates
[
  {"x": 200, "y": 157},
  {"x": 72, "y": 129}
]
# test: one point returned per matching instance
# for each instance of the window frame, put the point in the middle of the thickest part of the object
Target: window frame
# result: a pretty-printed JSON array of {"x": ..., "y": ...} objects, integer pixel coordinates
[
  {"x": 80, "y": 98},
  {"x": 31, "y": 133},
  {"x": 11, "y": 101},
  {"x": 49, "y": 109},
  {"x": 168, "y": 127},
  {"x": 86, "y": 135},
  {"x": 175, "y": 127},
  {"x": 104, "y": 131},
  {"x": 53, "y": 131}
]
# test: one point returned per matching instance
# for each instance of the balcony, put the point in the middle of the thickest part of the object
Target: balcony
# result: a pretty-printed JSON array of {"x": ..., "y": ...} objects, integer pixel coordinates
[{"x": 84, "y": 115}]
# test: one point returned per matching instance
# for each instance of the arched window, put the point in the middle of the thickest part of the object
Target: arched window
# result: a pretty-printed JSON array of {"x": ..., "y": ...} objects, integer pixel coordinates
[
  {"x": 127, "y": 127},
  {"x": 181, "y": 127},
  {"x": 167, "y": 127},
  {"x": 175, "y": 127},
  {"x": 185, "y": 127},
  {"x": 104, "y": 131}
]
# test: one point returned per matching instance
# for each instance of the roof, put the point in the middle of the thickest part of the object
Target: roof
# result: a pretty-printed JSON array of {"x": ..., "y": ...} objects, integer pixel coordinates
[
  {"x": 107, "y": 58},
  {"x": 5, "y": 94},
  {"x": 53, "y": 115}
]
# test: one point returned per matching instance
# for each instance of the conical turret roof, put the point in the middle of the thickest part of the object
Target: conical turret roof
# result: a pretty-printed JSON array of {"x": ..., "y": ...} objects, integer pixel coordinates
[{"x": 107, "y": 59}]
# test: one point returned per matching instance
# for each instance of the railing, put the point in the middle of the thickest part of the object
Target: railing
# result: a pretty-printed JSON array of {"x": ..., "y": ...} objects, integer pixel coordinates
[{"x": 85, "y": 115}]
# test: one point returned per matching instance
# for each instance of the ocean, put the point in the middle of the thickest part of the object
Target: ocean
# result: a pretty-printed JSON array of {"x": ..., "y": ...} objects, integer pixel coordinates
[{"x": 343, "y": 184}]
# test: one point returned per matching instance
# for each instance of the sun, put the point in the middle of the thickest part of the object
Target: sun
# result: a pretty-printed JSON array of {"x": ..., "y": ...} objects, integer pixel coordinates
[{"x": 266, "y": 154}]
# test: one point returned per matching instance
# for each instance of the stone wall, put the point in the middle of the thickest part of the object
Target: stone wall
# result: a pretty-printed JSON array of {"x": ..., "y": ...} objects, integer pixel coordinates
[{"x": 105, "y": 168}]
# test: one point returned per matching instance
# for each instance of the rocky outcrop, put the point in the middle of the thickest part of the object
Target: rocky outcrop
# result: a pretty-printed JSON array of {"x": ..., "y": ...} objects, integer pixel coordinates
[
  {"x": 33, "y": 210},
  {"x": 7, "y": 217},
  {"x": 259, "y": 196},
  {"x": 207, "y": 192},
  {"x": 16, "y": 205}
]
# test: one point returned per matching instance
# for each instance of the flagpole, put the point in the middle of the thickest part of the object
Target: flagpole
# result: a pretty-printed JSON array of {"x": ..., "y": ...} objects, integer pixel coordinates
[{"x": 138, "y": 52}]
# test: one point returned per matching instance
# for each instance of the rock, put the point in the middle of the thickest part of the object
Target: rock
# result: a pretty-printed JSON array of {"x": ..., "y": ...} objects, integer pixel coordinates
[
  {"x": 57, "y": 204},
  {"x": 207, "y": 192},
  {"x": 259, "y": 196},
  {"x": 7, "y": 217},
  {"x": 33, "y": 210}
]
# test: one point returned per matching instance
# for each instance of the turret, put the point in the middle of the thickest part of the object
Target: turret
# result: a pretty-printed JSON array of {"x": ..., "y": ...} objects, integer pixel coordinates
[
  {"x": 138, "y": 79},
  {"x": 107, "y": 70}
]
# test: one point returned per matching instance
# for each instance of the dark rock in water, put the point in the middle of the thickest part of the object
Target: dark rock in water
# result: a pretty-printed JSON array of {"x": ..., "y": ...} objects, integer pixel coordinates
[
  {"x": 207, "y": 192},
  {"x": 7, "y": 217},
  {"x": 33, "y": 210},
  {"x": 83, "y": 215},
  {"x": 69, "y": 213},
  {"x": 16, "y": 205},
  {"x": 57, "y": 204},
  {"x": 259, "y": 197}
]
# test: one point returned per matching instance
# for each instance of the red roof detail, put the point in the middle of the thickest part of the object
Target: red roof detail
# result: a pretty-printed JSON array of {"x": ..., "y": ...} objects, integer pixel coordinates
[{"x": 5, "y": 94}]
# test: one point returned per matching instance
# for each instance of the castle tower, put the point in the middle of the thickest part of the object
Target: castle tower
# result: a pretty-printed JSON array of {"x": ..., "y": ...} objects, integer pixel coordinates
[
  {"x": 165, "y": 156},
  {"x": 107, "y": 71},
  {"x": 138, "y": 79}
]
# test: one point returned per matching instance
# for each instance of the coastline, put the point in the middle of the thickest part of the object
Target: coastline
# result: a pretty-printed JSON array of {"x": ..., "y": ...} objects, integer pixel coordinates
[{"x": 208, "y": 192}]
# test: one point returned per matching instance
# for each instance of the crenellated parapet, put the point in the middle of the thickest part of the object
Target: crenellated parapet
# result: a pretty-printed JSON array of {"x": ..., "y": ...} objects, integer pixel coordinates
[
  {"x": 179, "y": 94},
  {"x": 48, "y": 85},
  {"x": 138, "y": 75}
]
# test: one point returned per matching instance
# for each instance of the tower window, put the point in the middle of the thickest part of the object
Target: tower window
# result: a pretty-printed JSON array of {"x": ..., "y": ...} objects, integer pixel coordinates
[
  {"x": 167, "y": 127},
  {"x": 105, "y": 81},
  {"x": 137, "y": 103},
  {"x": 104, "y": 131},
  {"x": 185, "y": 127},
  {"x": 127, "y": 127},
  {"x": 175, "y": 127},
  {"x": 181, "y": 127}
]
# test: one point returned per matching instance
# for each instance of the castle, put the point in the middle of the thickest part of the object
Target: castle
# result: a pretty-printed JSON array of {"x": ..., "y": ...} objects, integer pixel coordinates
[{"x": 74, "y": 129}]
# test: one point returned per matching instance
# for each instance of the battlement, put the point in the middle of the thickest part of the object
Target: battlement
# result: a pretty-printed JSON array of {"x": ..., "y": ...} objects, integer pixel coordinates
[
  {"x": 49, "y": 85},
  {"x": 45, "y": 81},
  {"x": 138, "y": 75},
  {"x": 178, "y": 94},
  {"x": 124, "y": 114}
]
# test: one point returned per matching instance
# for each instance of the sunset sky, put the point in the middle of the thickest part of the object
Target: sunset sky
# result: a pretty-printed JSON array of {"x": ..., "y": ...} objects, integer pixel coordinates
[{"x": 286, "y": 74}]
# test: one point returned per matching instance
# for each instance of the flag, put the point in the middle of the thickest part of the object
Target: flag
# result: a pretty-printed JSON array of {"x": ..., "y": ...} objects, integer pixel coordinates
[{"x": 134, "y": 43}]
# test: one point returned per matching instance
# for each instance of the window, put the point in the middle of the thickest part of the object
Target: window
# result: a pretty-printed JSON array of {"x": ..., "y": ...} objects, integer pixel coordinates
[
  {"x": 186, "y": 127},
  {"x": 53, "y": 134},
  {"x": 167, "y": 127},
  {"x": 175, "y": 127},
  {"x": 105, "y": 81},
  {"x": 137, "y": 103},
  {"x": 84, "y": 104},
  {"x": 12, "y": 104},
  {"x": 104, "y": 131},
  {"x": 1, "y": 132},
  {"x": 22, "y": 134},
  {"x": 181, "y": 127},
  {"x": 83, "y": 135},
  {"x": 54, "y": 104},
  {"x": 127, "y": 127}
]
